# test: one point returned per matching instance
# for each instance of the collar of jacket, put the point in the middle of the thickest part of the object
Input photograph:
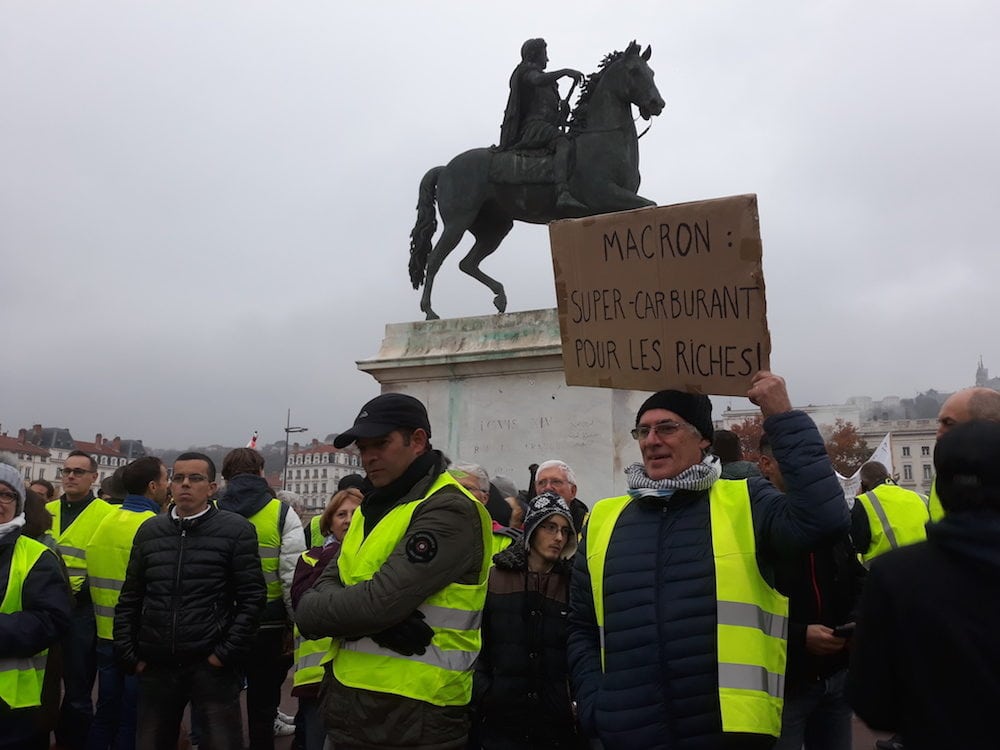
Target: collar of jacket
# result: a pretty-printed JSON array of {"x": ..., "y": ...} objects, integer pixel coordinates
[
  {"x": 971, "y": 535},
  {"x": 246, "y": 494},
  {"x": 139, "y": 504},
  {"x": 515, "y": 557},
  {"x": 189, "y": 524},
  {"x": 411, "y": 485}
]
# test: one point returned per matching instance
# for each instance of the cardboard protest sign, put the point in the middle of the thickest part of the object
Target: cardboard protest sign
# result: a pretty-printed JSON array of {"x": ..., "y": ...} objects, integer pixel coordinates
[{"x": 663, "y": 297}]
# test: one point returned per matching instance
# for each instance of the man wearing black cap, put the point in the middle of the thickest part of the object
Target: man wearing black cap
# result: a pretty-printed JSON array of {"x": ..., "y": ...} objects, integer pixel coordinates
[
  {"x": 677, "y": 635},
  {"x": 404, "y": 601}
]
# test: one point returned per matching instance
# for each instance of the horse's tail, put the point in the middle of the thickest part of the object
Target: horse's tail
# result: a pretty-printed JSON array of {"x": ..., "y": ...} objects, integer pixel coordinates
[{"x": 423, "y": 230}]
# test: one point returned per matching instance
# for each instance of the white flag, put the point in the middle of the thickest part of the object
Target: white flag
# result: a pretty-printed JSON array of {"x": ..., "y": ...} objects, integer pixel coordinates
[
  {"x": 883, "y": 454},
  {"x": 852, "y": 484}
]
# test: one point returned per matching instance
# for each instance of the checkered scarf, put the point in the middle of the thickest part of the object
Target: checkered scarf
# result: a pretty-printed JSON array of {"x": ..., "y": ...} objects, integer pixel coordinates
[{"x": 698, "y": 477}]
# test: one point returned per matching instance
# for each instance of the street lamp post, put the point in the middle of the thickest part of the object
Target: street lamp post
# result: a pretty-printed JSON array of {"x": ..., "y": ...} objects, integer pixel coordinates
[{"x": 288, "y": 430}]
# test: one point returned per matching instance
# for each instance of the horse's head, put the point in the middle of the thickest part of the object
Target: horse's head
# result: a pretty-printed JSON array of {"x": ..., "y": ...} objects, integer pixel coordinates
[
  {"x": 623, "y": 78},
  {"x": 638, "y": 85}
]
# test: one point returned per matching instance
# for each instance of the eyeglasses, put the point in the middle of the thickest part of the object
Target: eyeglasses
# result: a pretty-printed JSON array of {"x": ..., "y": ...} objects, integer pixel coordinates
[
  {"x": 555, "y": 529},
  {"x": 191, "y": 478},
  {"x": 7, "y": 498},
  {"x": 662, "y": 430},
  {"x": 76, "y": 472},
  {"x": 543, "y": 483}
]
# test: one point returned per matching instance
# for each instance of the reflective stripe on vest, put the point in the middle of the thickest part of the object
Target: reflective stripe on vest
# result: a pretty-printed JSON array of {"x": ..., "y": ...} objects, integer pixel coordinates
[
  {"x": 443, "y": 675},
  {"x": 266, "y": 521},
  {"x": 752, "y": 617},
  {"x": 896, "y": 516},
  {"x": 311, "y": 655},
  {"x": 934, "y": 506},
  {"x": 107, "y": 559},
  {"x": 21, "y": 678},
  {"x": 74, "y": 540},
  {"x": 316, "y": 538}
]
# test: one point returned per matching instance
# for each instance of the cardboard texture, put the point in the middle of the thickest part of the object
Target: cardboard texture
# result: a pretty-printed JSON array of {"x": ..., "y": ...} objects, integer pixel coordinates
[{"x": 663, "y": 297}]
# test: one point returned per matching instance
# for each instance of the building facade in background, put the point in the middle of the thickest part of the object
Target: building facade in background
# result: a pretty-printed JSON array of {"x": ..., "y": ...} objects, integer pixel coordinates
[
  {"x": 314, "y": 470},
  {"x": 41, "y": 451},
  {"x": 910, "y": 422}
]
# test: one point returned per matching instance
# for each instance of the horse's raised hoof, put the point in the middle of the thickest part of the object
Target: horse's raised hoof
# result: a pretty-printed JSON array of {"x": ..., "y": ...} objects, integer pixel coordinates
[{"x": 500, "y": 302}]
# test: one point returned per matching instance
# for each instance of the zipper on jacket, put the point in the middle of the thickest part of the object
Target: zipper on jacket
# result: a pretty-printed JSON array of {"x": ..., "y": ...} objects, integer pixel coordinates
[
  {"x": 177, "y": 595},
  {"x": 815, "y": 584}
]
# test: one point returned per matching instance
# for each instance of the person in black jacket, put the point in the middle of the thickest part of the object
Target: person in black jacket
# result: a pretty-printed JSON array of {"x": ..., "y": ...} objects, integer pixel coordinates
[
  {"x": 926, "y": 658},
  {"x": 521, "y": 685},
  {"x": 189, "y": 611},
  {"x": 35, "y": 613},
  {"x": 823, "y": 589}
]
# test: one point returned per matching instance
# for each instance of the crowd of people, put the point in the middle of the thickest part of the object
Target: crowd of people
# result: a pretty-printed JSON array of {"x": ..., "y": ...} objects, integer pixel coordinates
[{"x": 716, "y": 603}]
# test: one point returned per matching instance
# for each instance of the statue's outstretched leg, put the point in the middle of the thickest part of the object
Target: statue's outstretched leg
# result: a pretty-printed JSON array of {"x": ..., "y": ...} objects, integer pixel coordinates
[
  {"x": 564, "y": 199},
  {"x": 489, "y": 229}
]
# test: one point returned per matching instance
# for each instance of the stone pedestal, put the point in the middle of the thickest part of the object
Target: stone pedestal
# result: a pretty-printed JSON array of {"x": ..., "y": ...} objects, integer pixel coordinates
[{"x": 497, "y": 396}]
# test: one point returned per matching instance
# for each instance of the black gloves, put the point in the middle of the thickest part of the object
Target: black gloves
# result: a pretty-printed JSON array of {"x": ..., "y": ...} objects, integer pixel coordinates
[{"x": 411, "y": 636}]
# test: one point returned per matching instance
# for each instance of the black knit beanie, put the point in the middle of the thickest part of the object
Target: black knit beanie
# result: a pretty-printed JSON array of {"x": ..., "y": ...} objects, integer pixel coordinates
[{"x": 693, "y": 408}]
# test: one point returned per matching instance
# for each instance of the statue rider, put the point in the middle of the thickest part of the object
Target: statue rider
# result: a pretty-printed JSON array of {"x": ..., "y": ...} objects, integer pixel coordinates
[{"x": 535, "y": 114}]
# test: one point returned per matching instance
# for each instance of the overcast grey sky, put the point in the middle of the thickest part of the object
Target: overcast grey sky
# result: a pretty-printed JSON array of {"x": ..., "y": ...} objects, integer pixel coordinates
[{"x": 205, "y": 207}]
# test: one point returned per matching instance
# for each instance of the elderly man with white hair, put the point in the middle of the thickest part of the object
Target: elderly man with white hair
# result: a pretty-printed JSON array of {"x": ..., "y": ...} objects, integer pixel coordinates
[
  {"x": 476, "y": 480},
  {"x": 557, "y": 476}
]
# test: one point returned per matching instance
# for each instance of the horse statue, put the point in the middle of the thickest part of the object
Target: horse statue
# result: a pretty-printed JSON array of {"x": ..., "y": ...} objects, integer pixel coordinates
[{"x": 483, "y": 190}]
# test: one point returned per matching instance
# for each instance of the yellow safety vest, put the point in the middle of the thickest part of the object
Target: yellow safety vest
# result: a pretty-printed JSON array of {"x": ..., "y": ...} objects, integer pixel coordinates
[
  {"x": 934, "y": 506},
  {"x": 316, "y": 538},
  {"x": 896, "y": 516},
  {"x": 21, "y": 677},
  {"x": 107, "y": 560},
  {"x": 500, "y": 542},
  {"x": 752, "y": 617},
  {"x": 74, "y": 540},
  {"x": 266, "y": 521},
  {"x": 443, "y": 675},
  {"x": 311, "y": 654}
]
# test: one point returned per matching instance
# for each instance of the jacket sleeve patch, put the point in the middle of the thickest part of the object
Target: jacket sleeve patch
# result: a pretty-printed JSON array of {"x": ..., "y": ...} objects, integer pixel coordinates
[{"x": 422, "y": 547}]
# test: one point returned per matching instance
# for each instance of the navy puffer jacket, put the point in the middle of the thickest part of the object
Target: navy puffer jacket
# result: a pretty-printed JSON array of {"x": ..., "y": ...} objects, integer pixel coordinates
[{"x": 661, "y": 685}]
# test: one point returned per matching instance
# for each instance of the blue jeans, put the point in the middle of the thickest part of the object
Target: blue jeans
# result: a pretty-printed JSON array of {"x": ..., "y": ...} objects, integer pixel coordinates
[
  {"x": 310, "y": 721},
  {"x": 817, "y": 717},
  {"x": 79, "y": 670},
  {"x": 117, "y": 695}
]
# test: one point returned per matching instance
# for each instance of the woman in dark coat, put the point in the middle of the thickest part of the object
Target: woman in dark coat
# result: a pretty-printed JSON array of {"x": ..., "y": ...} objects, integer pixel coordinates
[
  {"x": 35, "y": 599},
  {"x": 521, "y": 685}
]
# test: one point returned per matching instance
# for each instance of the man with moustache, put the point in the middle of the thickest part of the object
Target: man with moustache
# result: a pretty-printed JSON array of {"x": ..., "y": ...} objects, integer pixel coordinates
[{"x": 188, "y": 613}]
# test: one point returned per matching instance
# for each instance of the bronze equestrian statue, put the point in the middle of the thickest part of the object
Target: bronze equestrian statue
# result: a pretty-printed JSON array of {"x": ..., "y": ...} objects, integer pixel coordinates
[{"x": 539, "y": 172}]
